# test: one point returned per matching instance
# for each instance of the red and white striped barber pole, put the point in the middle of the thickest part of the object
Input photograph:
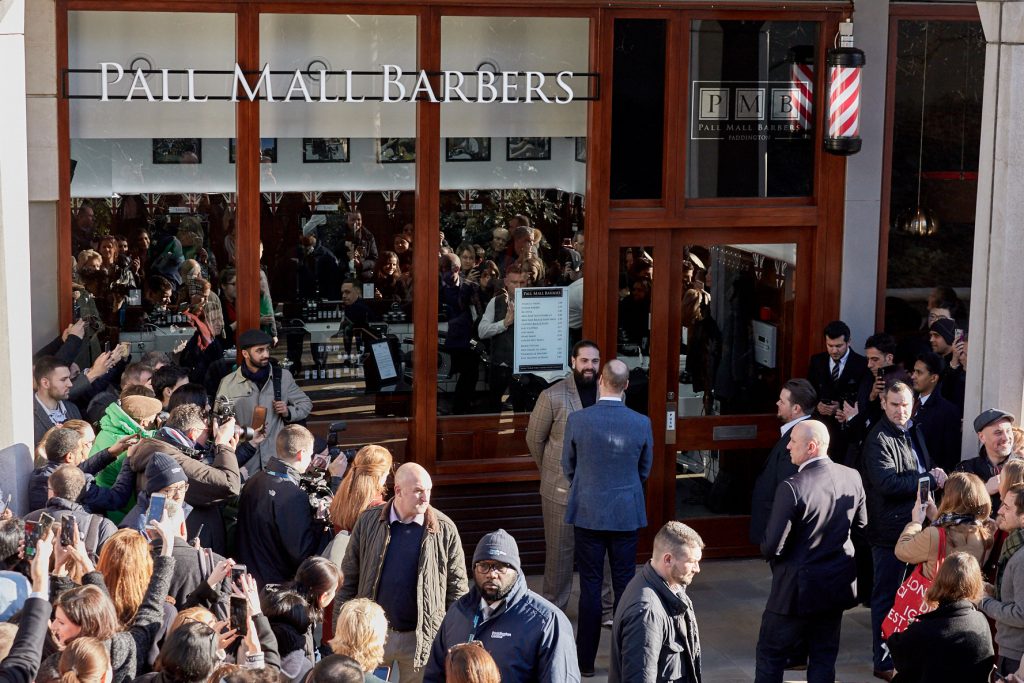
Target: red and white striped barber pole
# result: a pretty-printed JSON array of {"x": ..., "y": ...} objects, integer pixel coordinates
[
  {"x": 801, "y": 79},
  {"x": 845, "y": 64}
]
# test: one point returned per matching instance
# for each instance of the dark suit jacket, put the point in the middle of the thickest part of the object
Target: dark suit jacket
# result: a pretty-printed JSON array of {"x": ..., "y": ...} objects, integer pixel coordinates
[
  {"x": 807, "y": 540},
  {"x": 938, "y": 420},
  {"x": 820, "y": 376},
  {"x": 607, "y": 454},
  {"x": 777, "y": 468},
  {"x": 42, "y": 419}
]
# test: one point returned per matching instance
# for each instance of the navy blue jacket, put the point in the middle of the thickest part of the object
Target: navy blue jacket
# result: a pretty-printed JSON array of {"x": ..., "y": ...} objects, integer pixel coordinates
[
  {"x": 529, "y": 638},
  {"x": 606, "y": 456},
  {"x": 95, "y": 498}
]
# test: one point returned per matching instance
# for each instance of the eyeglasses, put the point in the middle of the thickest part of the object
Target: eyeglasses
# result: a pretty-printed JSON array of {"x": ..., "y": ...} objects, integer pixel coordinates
[
  {"x": 177, "y": 490},
  {"x": 491, "y": 567}
]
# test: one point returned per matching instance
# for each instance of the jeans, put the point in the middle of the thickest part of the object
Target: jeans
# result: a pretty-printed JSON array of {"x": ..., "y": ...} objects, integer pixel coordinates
[
  {"x": 889, "y": 573},
  {"x": 591, "y": 548}
]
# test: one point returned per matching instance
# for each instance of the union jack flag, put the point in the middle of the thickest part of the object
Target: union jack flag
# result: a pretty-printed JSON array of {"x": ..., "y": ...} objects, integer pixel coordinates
[
  {"x": 391, "y": 201},
  {"x": 273, "y": 200},
  {"x": 312, "y": 199}
]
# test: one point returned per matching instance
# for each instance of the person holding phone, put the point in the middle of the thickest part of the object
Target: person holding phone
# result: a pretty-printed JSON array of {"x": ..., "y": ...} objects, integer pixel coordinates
[
  {"x": 22, "y": 661},
  {"x": 894, "y": 458},
  {"x": 65, "y": 489}
]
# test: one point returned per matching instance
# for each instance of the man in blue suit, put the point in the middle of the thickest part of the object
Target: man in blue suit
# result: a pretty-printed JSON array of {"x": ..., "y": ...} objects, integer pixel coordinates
[{"x": 606, "y": 455}]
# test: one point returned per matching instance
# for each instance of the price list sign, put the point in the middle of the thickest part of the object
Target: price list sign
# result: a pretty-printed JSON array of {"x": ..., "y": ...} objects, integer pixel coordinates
[{"x": 541, "y": 330}]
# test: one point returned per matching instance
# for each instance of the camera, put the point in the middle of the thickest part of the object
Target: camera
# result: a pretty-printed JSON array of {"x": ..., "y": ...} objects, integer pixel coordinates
[
  {"x": 224, "y": 410},
  {"x": 316, "y": 482},
  {"x": 333, "y": 449}
]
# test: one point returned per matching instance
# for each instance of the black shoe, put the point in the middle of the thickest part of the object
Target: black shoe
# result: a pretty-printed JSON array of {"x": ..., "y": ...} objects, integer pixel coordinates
[{"x": 587, "y": 673}]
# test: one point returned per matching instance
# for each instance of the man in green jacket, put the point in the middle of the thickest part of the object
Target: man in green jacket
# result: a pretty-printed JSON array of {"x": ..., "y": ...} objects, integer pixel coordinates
[{"x": 406, "y": 556}]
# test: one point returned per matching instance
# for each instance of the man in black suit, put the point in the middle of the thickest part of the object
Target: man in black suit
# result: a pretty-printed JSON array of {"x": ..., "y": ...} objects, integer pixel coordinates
[
  {"x": 796, "y": 403},
  {"x": 937, "y": 419},
  {"x": 808, "y": 545},
  {"x": 836, "y": 374},
  {"x": 51, "y": 406}
]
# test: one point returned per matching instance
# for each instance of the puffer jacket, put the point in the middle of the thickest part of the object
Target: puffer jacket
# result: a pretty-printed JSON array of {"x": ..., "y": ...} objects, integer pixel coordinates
[
  {"x": 529, "y": 638},
  {"x": 442, "y": 569},
  {"x": 115, "y": 424}
]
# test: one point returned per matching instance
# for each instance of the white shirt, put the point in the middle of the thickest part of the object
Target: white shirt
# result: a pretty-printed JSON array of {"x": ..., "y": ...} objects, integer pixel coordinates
[
  {"x": 488, "y": 610},
  {"x": 842, "y": 362},
  {"x": 418, "y": 519},
  {"x": 922, "y": 399},
  {"x": 815, "y": 459},
  {"x": 792, "y": 423},
  {"x": 610, "y": 398}
]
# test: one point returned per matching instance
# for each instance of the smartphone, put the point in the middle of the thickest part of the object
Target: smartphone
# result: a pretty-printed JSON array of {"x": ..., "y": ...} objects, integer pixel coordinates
[
  {"x": 45, "y": 522},
  {"x": 259, "y": 417},
  {"x": 237, "y": 572},
  {"x": 924, "y": 486},
  {"x": 106, "y": 347},
  {"x": 156, "y": 508},
  {"x": 958, "y": 336},
  {"x": 67, "y": 531},
  {"x": 383, "y": 673},
  {"x": 239, "y": 614},
  {"x": 31, "y": 538}
]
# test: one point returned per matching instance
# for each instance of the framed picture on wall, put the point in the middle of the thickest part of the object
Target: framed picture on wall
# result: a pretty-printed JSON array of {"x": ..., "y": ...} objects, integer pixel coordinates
[
  {"x": 325, "y": 151},
  {"x": 177, "y": 151},
  {"x": 396, "y": 150},
  {"x": 528, "y": 149},
  {"x": 467, "y": 149},
  {"x": 268, "y": 150},
  {"x": 581, "y": 150}
]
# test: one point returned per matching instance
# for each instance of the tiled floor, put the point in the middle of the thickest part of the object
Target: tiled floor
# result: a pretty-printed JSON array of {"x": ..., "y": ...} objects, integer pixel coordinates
[{"x": 729, "y": 596}]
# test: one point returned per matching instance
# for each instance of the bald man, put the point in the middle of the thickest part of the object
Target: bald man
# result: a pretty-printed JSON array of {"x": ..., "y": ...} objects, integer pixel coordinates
[
  {"x": 807, "y": 542},
  {"x": 407, "y": 557},
  {"x": 607, "y": 453}
]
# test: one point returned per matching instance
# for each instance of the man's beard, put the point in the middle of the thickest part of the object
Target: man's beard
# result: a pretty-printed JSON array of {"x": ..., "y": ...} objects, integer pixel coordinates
[
  {"x": 494, "y": 595},
  {"x": 171, "y": 508},
  {"x": 584, "y": 379}
]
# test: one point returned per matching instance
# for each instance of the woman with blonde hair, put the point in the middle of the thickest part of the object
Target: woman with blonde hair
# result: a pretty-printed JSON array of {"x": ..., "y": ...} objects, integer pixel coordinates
[
  {"x": 360, "y": 632},
  {"x": 361, "y": 489},
  {"x": 85, "y": 661},
  {"x": 197, "y": 614},
  {"x": 952, "y": 642},
  {"x": 127, "y": 567},
  {"x": 470, "y": 663},
  {"x": 963, "y": 516}
]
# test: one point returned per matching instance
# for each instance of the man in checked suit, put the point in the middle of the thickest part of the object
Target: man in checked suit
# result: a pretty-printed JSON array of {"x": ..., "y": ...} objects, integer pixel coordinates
[
  {"x": 607, "y": 455},
  {"x": 836, "y": 374},
  {"x": 544, "y": 437},
  {"x": 807, "y": 542}
]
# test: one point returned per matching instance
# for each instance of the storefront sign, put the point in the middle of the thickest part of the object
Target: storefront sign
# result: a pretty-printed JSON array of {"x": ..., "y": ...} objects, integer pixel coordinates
[
  {"x": 541, "y": 330},
  {"x": 390, "y": 84},
  {"x": 748, "y": 110}
]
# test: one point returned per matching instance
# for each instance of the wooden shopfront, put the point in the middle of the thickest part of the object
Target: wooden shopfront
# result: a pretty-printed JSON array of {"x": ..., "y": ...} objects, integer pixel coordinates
[{"x": 679, "y": 149}]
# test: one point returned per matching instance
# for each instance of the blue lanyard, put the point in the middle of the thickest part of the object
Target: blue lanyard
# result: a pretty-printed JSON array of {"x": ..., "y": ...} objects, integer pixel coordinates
[{"x": 476, "y": 624}]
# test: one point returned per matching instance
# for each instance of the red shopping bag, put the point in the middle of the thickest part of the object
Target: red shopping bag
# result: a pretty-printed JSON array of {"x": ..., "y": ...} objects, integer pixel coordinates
[{"x": 910, "y": 597}]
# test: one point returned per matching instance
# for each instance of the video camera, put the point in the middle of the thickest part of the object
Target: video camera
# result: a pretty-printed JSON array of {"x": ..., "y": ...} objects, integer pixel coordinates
[{"x": 316, "y": 481}]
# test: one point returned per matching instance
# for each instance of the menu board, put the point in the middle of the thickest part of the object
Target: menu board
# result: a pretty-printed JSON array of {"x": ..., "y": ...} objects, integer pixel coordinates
[{"x": 541, "y": 330}]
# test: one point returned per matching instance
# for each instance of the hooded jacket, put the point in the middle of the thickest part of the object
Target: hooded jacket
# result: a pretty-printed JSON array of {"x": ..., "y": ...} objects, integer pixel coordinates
[
  {"x": 529, "y": 638},
  {"x": 115, "y": 424}
]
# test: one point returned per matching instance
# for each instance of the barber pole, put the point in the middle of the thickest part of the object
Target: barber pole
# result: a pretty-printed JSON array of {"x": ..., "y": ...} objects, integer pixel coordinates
[
  {"x": 801, "y": 79},
  {"x": 845, "y": 64}
]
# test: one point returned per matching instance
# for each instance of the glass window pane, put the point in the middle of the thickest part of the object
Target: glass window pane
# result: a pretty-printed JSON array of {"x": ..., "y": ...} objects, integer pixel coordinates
[
  {"x": 751, "y": 108},
  {"x": 737, "y": 336},
  {"x": 337, "y": 202},
  {"x": 513, "y": 178},
  {"x": 638, "y": 108},
  {"x": 636, "y": 287},
  {"x": 152, "y": 192}
]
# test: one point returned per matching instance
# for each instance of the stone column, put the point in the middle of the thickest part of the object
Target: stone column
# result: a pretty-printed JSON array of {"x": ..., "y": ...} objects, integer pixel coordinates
[
  {"x": 995, "y": 367},
  {"x": 16, "y": 433}
]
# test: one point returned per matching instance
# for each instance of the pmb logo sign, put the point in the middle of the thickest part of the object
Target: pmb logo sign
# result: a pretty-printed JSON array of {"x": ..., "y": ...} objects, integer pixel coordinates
[{"x": 749, "y": 111}]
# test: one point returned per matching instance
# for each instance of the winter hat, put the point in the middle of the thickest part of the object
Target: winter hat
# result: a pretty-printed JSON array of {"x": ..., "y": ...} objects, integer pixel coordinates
[
  {"x": 139, "y": 408},
  {"x": 498, "y": 546},
  {"x": 945, "y": 328},
  {"x": 989, "y": 416},
  {"x": 251, "y": 338},
  {"x": 163, "y": 471}
]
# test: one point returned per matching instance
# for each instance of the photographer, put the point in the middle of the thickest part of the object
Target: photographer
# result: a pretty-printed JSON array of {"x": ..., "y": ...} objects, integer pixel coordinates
[
  {"x": 258, "y": 384},
  {"x": 210, "y": 483},
  {"x": 277, "y": 526}
]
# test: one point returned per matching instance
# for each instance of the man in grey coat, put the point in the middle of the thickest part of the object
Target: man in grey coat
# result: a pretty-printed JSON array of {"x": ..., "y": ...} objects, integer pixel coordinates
[
  {"x": 259, "y": 383},
  {"x": 606, "y": 457},
  {"x": 655, "y": 637},
  {"x": 1004, "y": 602},
  {"x": 544, "y": 437}
]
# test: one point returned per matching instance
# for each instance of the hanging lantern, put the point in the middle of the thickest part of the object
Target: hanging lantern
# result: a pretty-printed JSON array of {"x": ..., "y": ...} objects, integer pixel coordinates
[{"x": 844, "y": 64}]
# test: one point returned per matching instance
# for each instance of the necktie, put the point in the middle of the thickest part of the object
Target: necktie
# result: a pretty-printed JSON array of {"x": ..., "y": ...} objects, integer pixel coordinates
[{"x": 835, "y": 371}]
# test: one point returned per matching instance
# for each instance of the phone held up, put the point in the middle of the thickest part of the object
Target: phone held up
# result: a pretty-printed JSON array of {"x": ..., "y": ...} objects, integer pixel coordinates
[
  {"x": 924, "y": 487},
  {"x": 239, "y": 614}
]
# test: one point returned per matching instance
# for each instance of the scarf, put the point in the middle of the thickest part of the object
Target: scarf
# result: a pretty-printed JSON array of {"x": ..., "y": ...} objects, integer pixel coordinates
[
  {"x": 259, "y": 377},
  {"x": 1014, "y": 541},
  {"x": 950, "y": 519}
]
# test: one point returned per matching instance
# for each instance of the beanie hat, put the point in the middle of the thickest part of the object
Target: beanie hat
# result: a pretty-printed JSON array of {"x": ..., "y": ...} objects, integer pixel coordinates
[
  {"x": 163, "y": 471},
  {"x": 945, "y": 328},
  {"x": 498, "y": 546},
  {"x": 140, "y": 407}
]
